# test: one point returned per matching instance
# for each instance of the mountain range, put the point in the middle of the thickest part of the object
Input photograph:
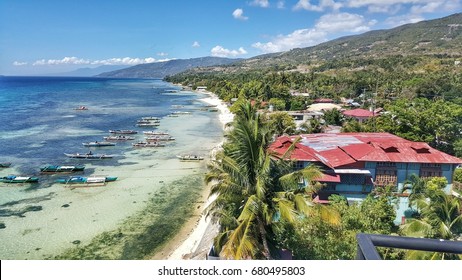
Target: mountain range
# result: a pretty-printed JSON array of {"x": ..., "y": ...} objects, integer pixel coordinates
[
  {"x": 166, "y": 68},
  {"x": 439, "y": 37}
]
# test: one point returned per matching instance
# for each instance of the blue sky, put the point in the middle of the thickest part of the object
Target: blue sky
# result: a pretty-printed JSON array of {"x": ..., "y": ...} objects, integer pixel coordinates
[{"x": 52, "y": 36}]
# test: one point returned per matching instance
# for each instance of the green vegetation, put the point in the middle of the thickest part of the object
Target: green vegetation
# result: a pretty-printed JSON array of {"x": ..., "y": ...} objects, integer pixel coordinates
[
  {"x": 143, "y": 234},
  {"x": 256, "y": 192},
  {"x": 420, "y": 93}
]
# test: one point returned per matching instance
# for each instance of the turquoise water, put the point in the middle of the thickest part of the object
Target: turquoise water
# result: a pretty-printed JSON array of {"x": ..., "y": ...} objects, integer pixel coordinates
[{"x": 38, "y": 124}]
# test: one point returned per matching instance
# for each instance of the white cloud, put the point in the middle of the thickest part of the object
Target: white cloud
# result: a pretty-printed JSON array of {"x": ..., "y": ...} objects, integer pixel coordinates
[
  {"x": 427, "y": 5},
  {"x": 297, "y": 39},
  {"x": 219, "y": 51},
  {"x": 239, "y": 14},
  {"x": 343, "y": 22},
  {"x": 124, "y": 61},
  {"x": 69, "y": 60},
  {"x": 329, "y": 24},
  {"x": 322, "y": 5},
  {"x": 162, "y": 54},
  {"x": 260, "y": 3},
  {"x": 79, "y": 61},
  {"x": 196, "y": 44},
  {"x": 281, "y": 4},
  {"x": 19, "y": 63},
  {"x": 403, "y": 19}
]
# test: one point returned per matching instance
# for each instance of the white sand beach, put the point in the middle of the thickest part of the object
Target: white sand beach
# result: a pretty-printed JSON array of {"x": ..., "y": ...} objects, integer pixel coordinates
[{"x": 199, "y": 239}]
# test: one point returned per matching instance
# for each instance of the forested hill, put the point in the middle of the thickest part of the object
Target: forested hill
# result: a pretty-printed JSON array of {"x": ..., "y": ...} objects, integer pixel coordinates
[
  {"x": 162, "y": 69},
  {"x": 435, "y": 38}
]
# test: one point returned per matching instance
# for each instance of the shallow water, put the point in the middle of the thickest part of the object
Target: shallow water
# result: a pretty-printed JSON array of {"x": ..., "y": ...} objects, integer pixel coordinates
[{"x": 46, "y": 220}]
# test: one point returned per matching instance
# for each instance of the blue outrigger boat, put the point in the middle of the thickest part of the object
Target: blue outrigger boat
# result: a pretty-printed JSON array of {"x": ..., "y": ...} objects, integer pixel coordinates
[
  {"x": 87, "y": 180},
  {"x": 18, "y": 179},
  {"x": 61, "y": 168}
]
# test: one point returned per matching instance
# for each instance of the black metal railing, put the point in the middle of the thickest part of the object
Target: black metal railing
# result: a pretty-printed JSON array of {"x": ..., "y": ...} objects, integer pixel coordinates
[{"x": 367, "y": 244}]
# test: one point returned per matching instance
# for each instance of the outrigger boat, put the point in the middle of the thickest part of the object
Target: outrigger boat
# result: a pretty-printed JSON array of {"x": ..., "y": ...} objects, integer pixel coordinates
[
  {"x": 149, "y": 124},
  {"x": 81, "y": 108},
  {"x": 147, "y": 121},
  {"x": 150, "y": 118},
  {"x": 93, "y": 180},
  {"x": 118, "y": 138},
  {"x": 18, "y": 179},
  {"x": 148, "y": 144},
  {"x": 156, "y": 138},
  {"x": 61, "y": 168},
  {"x": 155, "y": 132},
  {"x": 121, "y": 131},
  {"x": 190, "y": 157},
  {"x": 98, "y": 144},
  {"x": 89, "y": 156},
  {"x": 5, "y": 164}
]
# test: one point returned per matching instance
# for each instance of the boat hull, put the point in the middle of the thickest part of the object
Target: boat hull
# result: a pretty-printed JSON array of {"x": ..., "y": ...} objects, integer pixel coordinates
[{"x": 18, "y": 179}]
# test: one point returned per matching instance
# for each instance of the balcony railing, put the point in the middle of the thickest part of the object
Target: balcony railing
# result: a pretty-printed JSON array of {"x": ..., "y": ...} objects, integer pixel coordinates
[{"x": 367, "y": 244}]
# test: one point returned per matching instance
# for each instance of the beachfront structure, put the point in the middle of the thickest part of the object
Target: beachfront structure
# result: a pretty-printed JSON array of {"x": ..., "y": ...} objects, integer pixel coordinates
[
  {"x": 301, "y": 117},
  {"x": 353, "y": 164}
]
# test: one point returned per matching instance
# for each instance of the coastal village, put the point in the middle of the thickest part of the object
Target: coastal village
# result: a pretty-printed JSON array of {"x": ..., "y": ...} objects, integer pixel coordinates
[
  {"x": 351, "y": 165},
  {"x": 350, "y": 148}
]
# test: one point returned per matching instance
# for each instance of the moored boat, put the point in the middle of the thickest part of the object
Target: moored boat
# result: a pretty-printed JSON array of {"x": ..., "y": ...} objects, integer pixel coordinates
[
  {"x": 122, "y": 131},
  {"x": 148, "y": 144},
  {"x": 151, "y": 118},
  {"x": 89, "y": 156},
  {"x": 81, "y": 108},
  {"x": 98, "y": 144},
  {"x": 156, "y": 138},
  {"x": 18, "y": 179},
  {"x": 149, "y": 124},
  {"x": 190, "y": 157},
  {"x": 61, "y": 168},
  {"x": 155, "y": 132},
  {"x": 87, "y": 180},
  {"x": 5, "y": 164},
  {"x": 118, "y": 138}
]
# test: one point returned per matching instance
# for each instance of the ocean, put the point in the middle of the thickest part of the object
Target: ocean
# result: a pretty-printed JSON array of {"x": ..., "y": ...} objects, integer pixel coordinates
[{"x": 126, "y": 219}]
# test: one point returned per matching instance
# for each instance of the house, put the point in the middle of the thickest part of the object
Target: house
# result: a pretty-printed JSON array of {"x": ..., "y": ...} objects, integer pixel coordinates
[
  {"x": 201, "y": 88},
  {"x": 353, "y": 164},
  {"x": 359, "y": 114}
]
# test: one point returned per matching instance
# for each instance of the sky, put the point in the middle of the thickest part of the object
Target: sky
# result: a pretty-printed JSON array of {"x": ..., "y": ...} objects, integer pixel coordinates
[{"x": 38, "y": 37}]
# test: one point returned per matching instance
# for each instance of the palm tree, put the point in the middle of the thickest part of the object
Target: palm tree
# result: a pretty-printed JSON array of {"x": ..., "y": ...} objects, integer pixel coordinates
[
  {"x": 440, "y": 216},
  {"x": 252, "y": 191}
]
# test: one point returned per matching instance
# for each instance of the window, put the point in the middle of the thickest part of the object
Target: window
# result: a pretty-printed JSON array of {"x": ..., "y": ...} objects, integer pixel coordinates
[
  {"x": 386, "y": 174},
  {"x": 429, "y": 170}
]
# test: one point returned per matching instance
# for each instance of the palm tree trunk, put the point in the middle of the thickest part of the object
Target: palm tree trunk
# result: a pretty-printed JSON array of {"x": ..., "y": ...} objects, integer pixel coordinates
[{"x": 266, "y": 250}]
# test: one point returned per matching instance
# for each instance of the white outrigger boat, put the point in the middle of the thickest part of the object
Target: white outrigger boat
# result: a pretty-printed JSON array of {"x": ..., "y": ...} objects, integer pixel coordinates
[
  {"x": 119, "y": 138},
  {"x": 155, "y": 132},
  {"x": 190, "y": 157},
  {"x": 98, "y": 144},
  {"x": 148, "y": 145}
]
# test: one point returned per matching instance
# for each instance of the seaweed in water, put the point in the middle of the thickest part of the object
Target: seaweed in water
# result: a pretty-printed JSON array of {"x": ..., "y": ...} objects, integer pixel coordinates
[
  {"x": 144, "y": 233},
  {"x": 20, "y": 212}
]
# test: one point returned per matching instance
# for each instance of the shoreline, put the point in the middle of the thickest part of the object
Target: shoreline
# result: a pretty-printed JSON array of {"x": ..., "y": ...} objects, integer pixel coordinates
[{"x": 199, "y": 229}]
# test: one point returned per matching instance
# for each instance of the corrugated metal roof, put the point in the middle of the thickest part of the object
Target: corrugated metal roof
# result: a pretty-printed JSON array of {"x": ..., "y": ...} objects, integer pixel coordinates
[
  {"x": 339, "y": 149},
  {"x": 359, "y": 113}
]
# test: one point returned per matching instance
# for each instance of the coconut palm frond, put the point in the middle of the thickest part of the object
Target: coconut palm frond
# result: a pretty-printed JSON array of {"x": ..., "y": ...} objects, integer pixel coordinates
[
  {"x": 416, "y": 228},
  {"x": 303, "y": 205},
  {"x": 240, "y": 244},
  {"x": 329, "y": 214},
  {"x": 287, "y": 211}
]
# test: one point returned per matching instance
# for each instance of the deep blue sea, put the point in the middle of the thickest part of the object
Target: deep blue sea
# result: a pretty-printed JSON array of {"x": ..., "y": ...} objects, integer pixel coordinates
[{"x": 38, "y": 121}]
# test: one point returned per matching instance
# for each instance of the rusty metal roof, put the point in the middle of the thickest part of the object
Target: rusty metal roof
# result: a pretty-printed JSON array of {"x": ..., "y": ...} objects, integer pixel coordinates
[
  {"x": 358, "y": 113},
  {"x": 340, "y": 149}
]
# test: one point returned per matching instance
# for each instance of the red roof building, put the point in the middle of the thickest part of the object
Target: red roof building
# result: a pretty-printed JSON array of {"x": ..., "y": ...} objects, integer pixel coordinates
[
  {"x": 358, "y": 114},
  {"x": 355, "y": 163}
]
